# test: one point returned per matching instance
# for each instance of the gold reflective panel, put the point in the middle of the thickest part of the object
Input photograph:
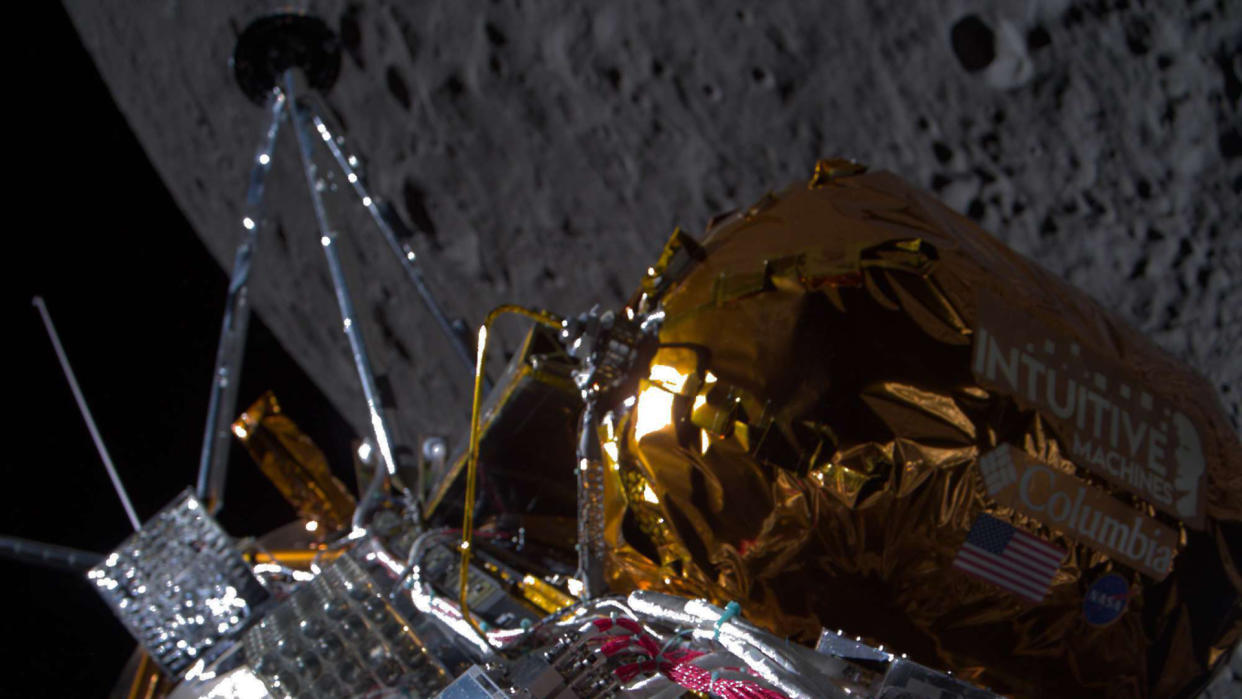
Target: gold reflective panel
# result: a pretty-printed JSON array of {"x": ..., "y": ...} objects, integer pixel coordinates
[
  {"x": 816, "y": 438},
  {"x": 295, "y": 465},
  {"x": 147, "y": 682},
  {"x": 298, "y": 559}
]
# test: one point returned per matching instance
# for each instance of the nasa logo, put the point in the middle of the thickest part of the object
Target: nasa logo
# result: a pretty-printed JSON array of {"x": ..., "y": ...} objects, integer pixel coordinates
[{"x": 1106, "y": 600}]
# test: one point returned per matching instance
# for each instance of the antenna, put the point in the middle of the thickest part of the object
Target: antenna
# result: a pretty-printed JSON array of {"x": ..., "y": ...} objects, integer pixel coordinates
[
  {"x": 48, "y": 555},
  {"x": 86, "y": 412}
]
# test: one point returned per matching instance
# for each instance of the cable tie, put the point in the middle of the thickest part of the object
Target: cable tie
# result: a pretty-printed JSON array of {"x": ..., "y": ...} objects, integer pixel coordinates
[
  {"x": 731, "y": 610},
  {"x": 659, "y": 658}
]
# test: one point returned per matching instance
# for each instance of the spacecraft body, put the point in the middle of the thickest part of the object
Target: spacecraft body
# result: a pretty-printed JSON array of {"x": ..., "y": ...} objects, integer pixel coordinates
[
  {"x": 847, "y": 444},
  {"x": 866, "y": 413}
]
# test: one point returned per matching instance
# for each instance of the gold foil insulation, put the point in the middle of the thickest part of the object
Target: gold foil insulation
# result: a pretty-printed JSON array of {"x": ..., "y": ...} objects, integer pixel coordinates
[
  {"x": 807, "y": 441},
  {"x": 294, "y": 464}
]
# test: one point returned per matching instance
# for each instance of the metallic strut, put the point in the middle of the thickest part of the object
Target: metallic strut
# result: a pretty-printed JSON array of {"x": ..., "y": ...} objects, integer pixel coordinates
[
  {"x": 328, "y": 238},
  {"x": 590, "y": 482},
  {"x": 403, "y": 252},
  {"x": 49, "y": 555},
  {"x": 86, "y": 414},
  {"x": 226, "y": 376}
]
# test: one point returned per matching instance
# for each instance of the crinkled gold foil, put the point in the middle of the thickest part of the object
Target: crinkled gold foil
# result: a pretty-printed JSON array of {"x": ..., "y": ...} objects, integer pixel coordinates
[
  {"x": 809, "y": 447},
  {"x": 294, "y": 464}
]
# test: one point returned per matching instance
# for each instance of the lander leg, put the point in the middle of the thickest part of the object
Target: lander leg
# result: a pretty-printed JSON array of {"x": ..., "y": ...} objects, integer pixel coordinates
[
  {"x": 268, "y": 55},
  {"x": 226, "y": 376},
  {"x": 362, "y": 363}
]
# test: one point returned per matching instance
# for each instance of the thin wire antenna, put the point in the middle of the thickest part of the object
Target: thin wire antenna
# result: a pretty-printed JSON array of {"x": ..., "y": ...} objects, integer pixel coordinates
[{"x": 37, "y": 302}]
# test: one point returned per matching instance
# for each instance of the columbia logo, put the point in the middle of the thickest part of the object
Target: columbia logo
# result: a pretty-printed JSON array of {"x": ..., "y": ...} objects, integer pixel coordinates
[{"x": 998, "y": 471}]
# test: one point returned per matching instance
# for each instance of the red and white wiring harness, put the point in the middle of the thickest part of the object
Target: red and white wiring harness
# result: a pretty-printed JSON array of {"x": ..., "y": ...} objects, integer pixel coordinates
[{"x": 642, "y": 657}]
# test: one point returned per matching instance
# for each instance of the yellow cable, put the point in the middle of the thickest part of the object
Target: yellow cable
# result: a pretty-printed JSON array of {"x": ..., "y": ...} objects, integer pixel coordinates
[{"x": 472, "y": 460}]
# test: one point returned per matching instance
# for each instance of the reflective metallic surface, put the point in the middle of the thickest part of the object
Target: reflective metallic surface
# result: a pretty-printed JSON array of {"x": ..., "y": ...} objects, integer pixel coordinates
[
  {"x": 606, "y": 346},
  {"x": 179, "y": 585},
  {"x": 379, "y": 424},
  {"x": 226, "y": 377},
  {"x": 796, "y": 670},
  {"x": 337, "y": 636},
  {"x": 384, "y": 220},
  {"x": 794, "y": 426},
  {"x": 807, "y": 442},
  {"x": 472, "y": 458},
  {"x": 295, "y": 466}
]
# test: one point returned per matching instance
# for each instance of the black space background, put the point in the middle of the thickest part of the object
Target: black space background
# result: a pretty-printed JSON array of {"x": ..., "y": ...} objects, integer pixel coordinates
[{"x": 137, "y": 301}]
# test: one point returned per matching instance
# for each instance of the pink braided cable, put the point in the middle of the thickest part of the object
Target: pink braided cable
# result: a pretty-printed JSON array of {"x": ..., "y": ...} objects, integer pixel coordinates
[{"x": 626, "y": 635}]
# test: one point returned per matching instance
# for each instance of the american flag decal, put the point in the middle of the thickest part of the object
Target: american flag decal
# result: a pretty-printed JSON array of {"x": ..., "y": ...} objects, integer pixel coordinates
[{"x": 1009, "y": 557}]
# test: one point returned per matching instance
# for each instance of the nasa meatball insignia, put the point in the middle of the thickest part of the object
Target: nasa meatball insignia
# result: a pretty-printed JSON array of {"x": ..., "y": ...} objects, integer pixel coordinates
[{"x": 1106, "y": 600}]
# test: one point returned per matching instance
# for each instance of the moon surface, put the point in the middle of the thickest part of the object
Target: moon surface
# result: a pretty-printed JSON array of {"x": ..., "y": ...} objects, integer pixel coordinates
[{"x": 544, "y": 151}]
